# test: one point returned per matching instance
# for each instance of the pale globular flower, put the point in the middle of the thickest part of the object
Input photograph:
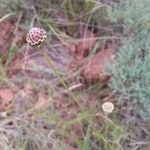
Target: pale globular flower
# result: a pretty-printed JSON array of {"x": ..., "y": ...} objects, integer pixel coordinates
[
  {"x": 4, "y": 114},
  {"x": 108, "y": 107},
  {"x": 36, "y": 36}
]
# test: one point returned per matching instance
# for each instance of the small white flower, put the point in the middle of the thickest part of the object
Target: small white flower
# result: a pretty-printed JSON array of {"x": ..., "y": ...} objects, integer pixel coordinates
[
  {"x": 108, "y": 107},
  {"x": 4, "y": 114}
]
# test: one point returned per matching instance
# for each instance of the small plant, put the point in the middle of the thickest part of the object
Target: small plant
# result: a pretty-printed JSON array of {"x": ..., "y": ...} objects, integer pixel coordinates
[
  {"x": 130, "y": 73},
  {"x": 132, "y": 15},
  {"x": 35, "y": 37}
]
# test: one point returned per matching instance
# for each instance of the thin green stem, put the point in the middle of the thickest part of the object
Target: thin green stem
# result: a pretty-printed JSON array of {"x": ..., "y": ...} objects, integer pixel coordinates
[{"x": 51, "y": 65}]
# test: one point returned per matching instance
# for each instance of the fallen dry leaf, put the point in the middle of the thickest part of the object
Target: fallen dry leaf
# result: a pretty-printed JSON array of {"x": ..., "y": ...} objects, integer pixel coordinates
[
  {"x": 84, "y": 44},
  {"x": 6, "y": 97},
  {"x": 95, "y": 67},
  {"x": 42, "y": 101}
]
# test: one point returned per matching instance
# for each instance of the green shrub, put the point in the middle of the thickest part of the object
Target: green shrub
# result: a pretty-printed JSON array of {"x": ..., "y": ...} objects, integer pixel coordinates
[
  {"x": 133, "y": 14},
  {"x": 130, "y": 72}
]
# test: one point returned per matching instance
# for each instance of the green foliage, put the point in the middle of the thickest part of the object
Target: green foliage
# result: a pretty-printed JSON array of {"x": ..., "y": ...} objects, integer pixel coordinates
[
  {"x": 13, "y": 5},
  {"x": 78, "y": 9},
  {"x": 131, "y": 72},
  {"x": 133, "y": 14},
  {"x": 131, "y": 69}
]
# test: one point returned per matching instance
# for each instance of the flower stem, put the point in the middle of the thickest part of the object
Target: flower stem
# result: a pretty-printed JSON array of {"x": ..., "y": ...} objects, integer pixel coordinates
[{"x": 51, "y": 65}]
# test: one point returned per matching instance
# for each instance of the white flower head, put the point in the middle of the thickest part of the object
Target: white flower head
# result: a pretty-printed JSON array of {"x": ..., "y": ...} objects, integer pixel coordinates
[
  {"x": 36, "y": 36},
  {"x": 108, "y": 107}
]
